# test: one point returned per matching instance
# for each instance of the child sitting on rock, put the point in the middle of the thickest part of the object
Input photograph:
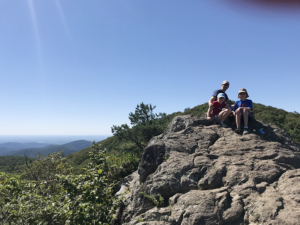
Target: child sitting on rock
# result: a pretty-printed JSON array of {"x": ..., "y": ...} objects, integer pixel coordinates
[
  {"x": 220, "y": 110},
  {"x": 241, "y": 110}
]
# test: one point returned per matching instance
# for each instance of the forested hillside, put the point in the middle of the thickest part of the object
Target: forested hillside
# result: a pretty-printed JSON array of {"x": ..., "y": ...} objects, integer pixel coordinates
[
  {"x": 12, "y": 164},
  {"x": 288, "y": 121},
  {"x": 34, "y": 152}
]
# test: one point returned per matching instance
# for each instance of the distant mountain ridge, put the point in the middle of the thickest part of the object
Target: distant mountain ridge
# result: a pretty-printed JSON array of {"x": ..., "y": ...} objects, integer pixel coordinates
[
  {"x": 4, "y": 150},
  {"x": 33, "y": 152},
  {"x": 78, "y": 145},
  {"x": 19, "y": 146}
]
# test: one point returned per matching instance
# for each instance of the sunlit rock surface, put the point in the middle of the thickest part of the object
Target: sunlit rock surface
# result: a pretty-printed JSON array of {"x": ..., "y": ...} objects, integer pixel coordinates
[{"x": 210, "y": 175}]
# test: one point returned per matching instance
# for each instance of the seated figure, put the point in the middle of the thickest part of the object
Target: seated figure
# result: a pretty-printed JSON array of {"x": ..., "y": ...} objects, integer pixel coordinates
[
  {"x": 225, "y": 86},
  {"x": 241, "y": 110},
  {"x": 220, "y": 111}
]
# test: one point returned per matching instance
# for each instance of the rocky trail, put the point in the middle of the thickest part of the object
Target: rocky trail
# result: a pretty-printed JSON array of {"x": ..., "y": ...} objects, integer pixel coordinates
[{"x": 199, "y": 173}]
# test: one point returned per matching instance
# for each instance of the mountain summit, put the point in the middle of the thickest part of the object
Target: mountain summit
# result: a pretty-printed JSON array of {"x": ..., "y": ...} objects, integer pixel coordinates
[{"x": 198, "y": 173}]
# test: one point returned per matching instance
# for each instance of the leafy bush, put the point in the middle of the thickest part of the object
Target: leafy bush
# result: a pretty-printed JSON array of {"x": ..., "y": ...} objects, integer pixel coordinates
[
  {"x": 158, "y": 200},
  {"x": 58, "y": 196},
  {"x": 123, "y": 164},
  {"x": 198, "y": 110},
  {"x": 288, "y": 121}
]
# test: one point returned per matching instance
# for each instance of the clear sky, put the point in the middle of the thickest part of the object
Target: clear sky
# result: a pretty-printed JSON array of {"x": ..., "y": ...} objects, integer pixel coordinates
[{"x": 78, "y": 67}]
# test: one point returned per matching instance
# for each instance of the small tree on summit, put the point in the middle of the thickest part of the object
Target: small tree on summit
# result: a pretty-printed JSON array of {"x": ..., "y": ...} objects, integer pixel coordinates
[
  {"x": 145, "y": 125},
  {"x": 143, "y": 113}
]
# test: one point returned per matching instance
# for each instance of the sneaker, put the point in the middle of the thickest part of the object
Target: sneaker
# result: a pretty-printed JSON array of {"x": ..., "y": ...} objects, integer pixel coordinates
[
  {"x": 222, "y": 124},
  {"x": 238, "y": 131},
  {"x": 246, "y": 131}
]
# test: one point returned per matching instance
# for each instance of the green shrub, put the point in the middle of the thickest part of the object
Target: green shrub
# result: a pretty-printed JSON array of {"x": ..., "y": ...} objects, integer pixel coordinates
[
  {"x": 158, "y": 200},
  {"x": 122, "y": 164},
  {"x": 43, "y": 196},
  {"x": 144, "y": 123},
  {"x": 288, "y": 121},
  {"x": 198, "y": 110}
]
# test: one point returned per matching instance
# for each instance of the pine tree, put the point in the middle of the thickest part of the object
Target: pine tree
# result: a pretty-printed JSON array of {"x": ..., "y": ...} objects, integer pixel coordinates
[{"x": 145, "y": 125}]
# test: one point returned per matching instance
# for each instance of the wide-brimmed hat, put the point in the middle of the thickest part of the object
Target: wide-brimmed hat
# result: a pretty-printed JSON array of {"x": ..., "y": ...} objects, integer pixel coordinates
[
  {"x": 243, "y": 90},
  {"x": 225, "y": 82}
]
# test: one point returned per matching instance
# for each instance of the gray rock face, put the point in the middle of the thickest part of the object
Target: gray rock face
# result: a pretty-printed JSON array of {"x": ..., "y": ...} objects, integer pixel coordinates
[{"x": 210, "y": 175}]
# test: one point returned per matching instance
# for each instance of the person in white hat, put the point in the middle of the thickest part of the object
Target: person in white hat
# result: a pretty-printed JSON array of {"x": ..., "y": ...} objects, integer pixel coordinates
[
  {"x": 225, "y": 86},
  {"x": 241, "y": 110},
  {"x": 220, "y": 110}
]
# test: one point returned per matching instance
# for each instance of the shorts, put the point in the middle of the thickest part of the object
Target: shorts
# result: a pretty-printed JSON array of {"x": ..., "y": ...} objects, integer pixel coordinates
[{"x": 216, "y": 118}]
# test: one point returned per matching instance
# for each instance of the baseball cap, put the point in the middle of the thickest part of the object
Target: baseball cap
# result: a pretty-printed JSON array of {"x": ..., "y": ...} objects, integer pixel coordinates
[
  {"x": 244, "y": 90},
  {"x": 225, "y": 82},
  {"x": 221, "y": 95}
]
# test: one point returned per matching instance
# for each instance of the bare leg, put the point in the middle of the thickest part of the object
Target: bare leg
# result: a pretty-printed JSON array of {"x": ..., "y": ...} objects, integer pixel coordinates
[
  {"x": 246, "y": 118},
  {"x": 238, "y": 119},
  {"x": 227, "y": 113},
  {"x": 224, "y": 114},
  {"x": 221, "y": 115}
]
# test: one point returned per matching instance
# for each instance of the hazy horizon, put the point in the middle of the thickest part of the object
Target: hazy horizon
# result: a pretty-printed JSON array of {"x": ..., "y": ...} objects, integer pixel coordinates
[{"x": 51, "y": 139}]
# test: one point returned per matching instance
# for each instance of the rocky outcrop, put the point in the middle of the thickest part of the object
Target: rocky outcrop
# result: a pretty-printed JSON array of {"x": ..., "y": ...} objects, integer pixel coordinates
[{"x": 207, "y": 174}]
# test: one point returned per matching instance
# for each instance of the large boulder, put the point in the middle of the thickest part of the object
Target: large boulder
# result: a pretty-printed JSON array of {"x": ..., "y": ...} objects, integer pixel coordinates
[{"x": 200, "y": 173}]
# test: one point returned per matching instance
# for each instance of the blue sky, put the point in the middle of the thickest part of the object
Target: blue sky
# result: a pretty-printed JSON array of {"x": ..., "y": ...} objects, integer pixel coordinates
[{"x": 78, "y": 67}]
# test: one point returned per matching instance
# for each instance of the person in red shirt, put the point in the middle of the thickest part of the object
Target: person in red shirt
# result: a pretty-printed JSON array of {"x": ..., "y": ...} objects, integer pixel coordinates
[{"x": 220, "y": 110}]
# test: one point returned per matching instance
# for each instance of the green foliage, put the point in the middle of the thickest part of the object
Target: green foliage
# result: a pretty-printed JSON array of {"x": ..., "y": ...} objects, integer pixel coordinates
[
  {"x": 34, "y": 152},
  {"x": 12, "y": 164},
  {"x": 166, "y": 157},
  {"x": 288, "y": 121},
  {"x": 123, "y": 158},
  {"x": 186, "y": 109},
  {"x": 49, "y": 193},
  {"x": 144, "y": 123},
  {"x": 32, "y": 197},
  {"x": 90, "y": 198},
  {"x": 122, "y": 164},
  {"x": 140, "y": 220},
  {"x": 198, "y": 110},
  {"x": 143, "y": 113},
  {"x": 158, "y": 200},
  {"x": 45, "y": 168}
]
